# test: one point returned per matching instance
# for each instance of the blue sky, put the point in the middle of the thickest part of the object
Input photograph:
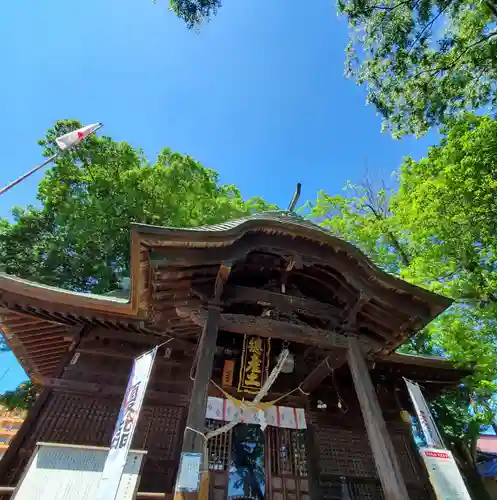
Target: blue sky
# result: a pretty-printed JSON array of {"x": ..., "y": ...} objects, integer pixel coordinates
[{"x": 259, "y": 94}]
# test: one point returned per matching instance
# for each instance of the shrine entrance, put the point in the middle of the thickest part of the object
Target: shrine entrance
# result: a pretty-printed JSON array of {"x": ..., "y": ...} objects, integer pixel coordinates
[{"x": 260, "y": 465}]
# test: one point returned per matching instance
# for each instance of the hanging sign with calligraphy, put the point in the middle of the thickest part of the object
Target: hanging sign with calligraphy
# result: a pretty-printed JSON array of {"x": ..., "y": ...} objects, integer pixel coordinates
[
  {"x": 228, "y": 369},
  {"x": 254, "y": 364}
]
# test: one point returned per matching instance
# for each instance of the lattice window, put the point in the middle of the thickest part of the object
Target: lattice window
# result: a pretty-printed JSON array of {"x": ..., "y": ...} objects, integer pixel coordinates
[
  {"x": 218, "y": 447},
  {"x": 287, "y": 450}
]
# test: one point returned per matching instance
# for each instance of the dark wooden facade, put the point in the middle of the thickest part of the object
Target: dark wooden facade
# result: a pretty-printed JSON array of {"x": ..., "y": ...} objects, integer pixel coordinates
[{"x": 272, "y": 275}]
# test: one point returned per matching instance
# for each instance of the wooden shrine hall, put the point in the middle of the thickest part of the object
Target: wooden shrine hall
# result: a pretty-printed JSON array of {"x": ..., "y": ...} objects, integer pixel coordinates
[{"x": 233, "y": 297}]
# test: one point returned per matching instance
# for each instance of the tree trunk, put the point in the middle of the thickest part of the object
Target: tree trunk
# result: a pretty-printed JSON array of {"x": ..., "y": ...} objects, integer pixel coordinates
[
  {"x": 471, "y": 476},
  {"x": 475, "y": 483}
]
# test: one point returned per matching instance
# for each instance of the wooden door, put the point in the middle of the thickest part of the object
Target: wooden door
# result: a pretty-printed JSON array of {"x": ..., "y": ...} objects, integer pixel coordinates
[
  {"x": 218, "y": 449},
  {"x": 286, "y": 464}
]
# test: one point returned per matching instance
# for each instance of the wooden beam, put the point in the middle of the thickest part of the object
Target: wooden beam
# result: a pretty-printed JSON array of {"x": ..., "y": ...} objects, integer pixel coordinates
[
  {"x": 193, "y": 439},
  {"x": 74, "y": 386},
  {"x": 351, "y": 320},
  {"x": 386, "y": 461},
  {"x": 314, "y": 379},
  {"x": 42, "y": 329},
  {"x": 41, "y": 341},
  {"x": 281, "y": 301},
  {"x": 140, "y": 338},
  {"x": 193, "y": 442},
  {"x": 264, "y": 327}
]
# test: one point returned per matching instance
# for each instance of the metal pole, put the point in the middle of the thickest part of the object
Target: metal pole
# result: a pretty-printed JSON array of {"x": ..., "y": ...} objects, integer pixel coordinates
[
  {"x": 27, "y": 174},
  {"x": 46, "y": 162}
]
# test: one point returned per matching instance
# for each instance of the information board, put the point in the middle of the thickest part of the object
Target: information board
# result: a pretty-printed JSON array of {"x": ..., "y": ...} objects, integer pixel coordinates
[
  {"x": 68, "y": 472},
  {"x": 444, "y": 474}
]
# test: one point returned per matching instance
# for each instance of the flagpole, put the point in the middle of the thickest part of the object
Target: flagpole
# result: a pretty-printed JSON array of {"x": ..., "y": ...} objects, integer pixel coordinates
[
  {"x": 27, "y": 174},
  {"x": 38, "y": 167}
]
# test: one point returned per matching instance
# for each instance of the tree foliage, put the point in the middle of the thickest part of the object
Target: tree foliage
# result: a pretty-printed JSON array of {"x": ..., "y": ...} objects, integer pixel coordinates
[
  {"x": 423, "y": 61},
  {"x": 437, "y": 230},
  {"x": 193, "y": 12},
  {"x": 21, "y": 398},
  {"x": 79, "y": 237}
]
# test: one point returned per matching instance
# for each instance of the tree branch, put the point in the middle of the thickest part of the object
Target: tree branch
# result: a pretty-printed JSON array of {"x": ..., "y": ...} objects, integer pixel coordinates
[
  {"x": 453, "y": 63},
  {"x": 382, "y": 7},
  {"x": 492, "y": 7},
  {"x": 428, "y": 26}
]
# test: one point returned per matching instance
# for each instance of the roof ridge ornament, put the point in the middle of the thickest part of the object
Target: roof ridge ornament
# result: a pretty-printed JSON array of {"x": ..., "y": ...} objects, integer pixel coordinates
[{"x": 295, "y": 198}]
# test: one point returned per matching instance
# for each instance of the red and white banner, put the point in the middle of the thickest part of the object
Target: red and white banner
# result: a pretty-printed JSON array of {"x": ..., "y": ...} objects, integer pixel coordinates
[
  {"x": 125, "y": 426},
  {"x": 430, "y": 431},
  {"x": 277, "y": 416},
  {"x": 444, "y": 474},
  {"x": 70, "y": 139}
]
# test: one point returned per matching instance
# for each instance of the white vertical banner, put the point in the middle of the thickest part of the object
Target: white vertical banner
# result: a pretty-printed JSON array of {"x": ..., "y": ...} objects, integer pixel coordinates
[
  {"x": 125, "y": 426},
  {"x": 444, "y": 474},
  {"x": 430, "y": 430}
]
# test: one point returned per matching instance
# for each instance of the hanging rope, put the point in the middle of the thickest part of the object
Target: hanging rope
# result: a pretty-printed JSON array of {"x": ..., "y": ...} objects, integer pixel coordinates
[{"x": 256, "y": 403}]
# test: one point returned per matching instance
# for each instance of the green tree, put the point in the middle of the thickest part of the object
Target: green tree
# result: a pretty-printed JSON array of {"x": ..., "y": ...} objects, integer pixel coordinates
[
  {"x": 79, "y": 237},
  {"x": 437, "y": 230},
  {"x": 446, "y": 202},
  {"x": 423, "y": 61},
  {"x": 193, "y": 12},
  {"x": 21, "y": 398}
]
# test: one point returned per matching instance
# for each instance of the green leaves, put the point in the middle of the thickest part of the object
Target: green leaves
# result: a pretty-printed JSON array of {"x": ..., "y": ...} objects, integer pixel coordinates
[
  {"x": 79, "y": 238},
  {"x": 22, "y": 398},
  {"x": 194, "y": 12},
  {"x": 423, "y": 61},
  {"x": 438, "y": 231}
]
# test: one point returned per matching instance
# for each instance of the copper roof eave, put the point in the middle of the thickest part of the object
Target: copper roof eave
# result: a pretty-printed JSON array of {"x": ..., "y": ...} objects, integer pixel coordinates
[
  {"x": 436, "y": 362},
  {"x": 226, "y": 234}
]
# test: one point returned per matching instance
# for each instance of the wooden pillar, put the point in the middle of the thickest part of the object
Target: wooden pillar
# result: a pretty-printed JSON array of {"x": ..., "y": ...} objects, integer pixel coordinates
[
  {"x": 387, "y": 464},
  {"x": 193, "y": 442}
]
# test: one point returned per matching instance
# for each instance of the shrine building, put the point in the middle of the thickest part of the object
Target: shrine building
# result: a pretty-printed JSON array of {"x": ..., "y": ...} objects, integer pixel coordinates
[{"x": 233, "y": 297}]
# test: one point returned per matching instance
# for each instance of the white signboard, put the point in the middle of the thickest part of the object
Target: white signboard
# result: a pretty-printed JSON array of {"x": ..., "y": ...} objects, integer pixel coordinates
[
  {"x": 67, "y": 472},
  {"x": 189, "y": 473},
  {"x": 444, "y": 474}
]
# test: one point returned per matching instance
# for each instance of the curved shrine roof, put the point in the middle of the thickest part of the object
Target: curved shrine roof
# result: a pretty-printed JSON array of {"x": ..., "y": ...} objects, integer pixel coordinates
[{"x": 42, "y": 322}]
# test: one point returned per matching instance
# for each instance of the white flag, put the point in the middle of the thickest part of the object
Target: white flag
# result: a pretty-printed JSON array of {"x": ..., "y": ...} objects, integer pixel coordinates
[
  {"x": 430, "y": 431},
  {"x": 125, "y": 426},
  {"x": 70, "y": 139}
]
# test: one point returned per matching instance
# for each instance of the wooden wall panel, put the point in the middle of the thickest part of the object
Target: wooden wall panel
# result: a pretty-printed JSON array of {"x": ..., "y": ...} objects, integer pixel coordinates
[
  {"x": 83, "y": 407},
  {"x": 346, "y": 462},
  {"x": 76, "y": 419}
]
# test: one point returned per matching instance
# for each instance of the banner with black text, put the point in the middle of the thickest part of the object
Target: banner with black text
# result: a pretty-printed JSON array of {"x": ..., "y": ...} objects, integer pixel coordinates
[
  {"x": 430, "y": 430},
  {"x": 125, "y": 426}
]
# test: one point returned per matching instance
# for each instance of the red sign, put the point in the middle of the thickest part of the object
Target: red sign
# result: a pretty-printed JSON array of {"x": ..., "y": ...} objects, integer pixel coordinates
[{"x": 436, "y": 454}]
